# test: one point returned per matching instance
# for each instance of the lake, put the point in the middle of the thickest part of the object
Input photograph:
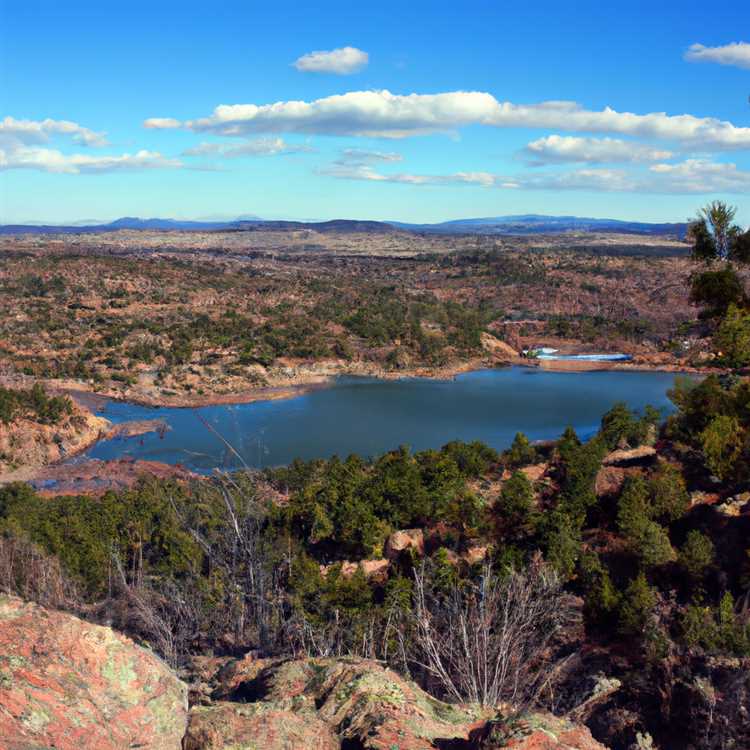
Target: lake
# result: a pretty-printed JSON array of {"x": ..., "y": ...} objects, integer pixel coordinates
[{"x": 370, "y": 416}]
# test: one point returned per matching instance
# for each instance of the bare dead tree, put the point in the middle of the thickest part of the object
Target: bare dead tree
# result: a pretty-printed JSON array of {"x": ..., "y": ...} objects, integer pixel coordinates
[
  {"x": 489, "y": 641},
  {"x": 161, "y": 612},
  {"x": 29, "y": 572},
  {"x": 252, "y": 583}
]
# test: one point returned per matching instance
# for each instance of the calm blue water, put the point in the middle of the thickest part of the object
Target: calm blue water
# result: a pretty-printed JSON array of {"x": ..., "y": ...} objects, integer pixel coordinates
[{"x": 369, "y": 417}]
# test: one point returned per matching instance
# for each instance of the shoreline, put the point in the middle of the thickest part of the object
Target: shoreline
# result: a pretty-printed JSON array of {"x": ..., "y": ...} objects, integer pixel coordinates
[
  {"x": 89, "y": 476},
  {"x": 307, "y": 383}
]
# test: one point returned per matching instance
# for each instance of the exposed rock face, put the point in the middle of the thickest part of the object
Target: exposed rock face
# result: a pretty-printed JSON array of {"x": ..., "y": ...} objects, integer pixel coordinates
[
  {"x": 545, "y": 732},
  {"x": 734, "y": 506},
  {"x": 629, "y": 456},
  {"x": 70, "y": 685},
  {"x": 321, "y": 703},
  {"x": 406, "y": 539},
  {"x": 373, "y": 569},
  {"x": 376, "y": 570},
  {"x": 256, "y": 726},
  {"x": 325, "y": 704},
  {"x": 26, "y": 445},
  {"x": 535, "y": 472},
  {"x": 498, "y": 348},
  {"x": 476, "y": 554},
  {"x": 704, "y": 498},
  {"x": 609, "y": 481}
]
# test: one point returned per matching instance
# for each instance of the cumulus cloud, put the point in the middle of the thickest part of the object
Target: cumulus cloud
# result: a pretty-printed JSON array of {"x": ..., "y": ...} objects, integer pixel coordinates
[
  {"x": 383, "y": 114},
  {"x": 256, "y": 147},
  {"x": 23, "y": 145},
  {"x": 361, "y": 113},
  {"x": 16, "y": 133},
  {"x": 52, "y": 160},
  {"x": 558, "y": 149},
  {"x": 341, "y": 61},
  {"x": 161, "y": 123},
  {"x": 736, "y": 53},
  {"x": 690, "y": 176}
]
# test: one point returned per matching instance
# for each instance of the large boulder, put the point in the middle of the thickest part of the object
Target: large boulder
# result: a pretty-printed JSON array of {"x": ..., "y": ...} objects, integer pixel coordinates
[
  {"x": 405, "y": 539},
  {"x": 374, "y": 570},
  {"x": 535, "y": 472},
  {"x": 70, "y": 685},
  {"x": 630, "y": 456}
]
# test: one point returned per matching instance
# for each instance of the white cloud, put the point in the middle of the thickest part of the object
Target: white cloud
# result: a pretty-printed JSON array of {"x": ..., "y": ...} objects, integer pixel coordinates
[
  {"x": 363, "y": 172},
  {"x": 702, "y": 176},
  {"x": 383, "y": 114},
  {"x": 24, "y": 145},
  {"x": 363, "y": 113},
  {"x": 736, "y": 53},
  {"x": 341, "y": 61},
  {"x": 362, "y": 156},
  {"x": 558, "y": 149},
  {"x": 14, "y": 133},
  {"x": 257, "y": 147},
  {"x": 690, "y": 176},
  {"x": 161, "y": 123},
  {"x": 52, "y": 160}
]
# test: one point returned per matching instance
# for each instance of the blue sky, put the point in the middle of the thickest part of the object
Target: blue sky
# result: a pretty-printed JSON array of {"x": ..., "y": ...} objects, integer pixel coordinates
[{"x": 413, "y": 111}]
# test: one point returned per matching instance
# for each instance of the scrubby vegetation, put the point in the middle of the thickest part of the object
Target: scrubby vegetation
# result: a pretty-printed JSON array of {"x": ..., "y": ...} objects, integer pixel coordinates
[
  {"x": 33, "y": 403},
  {"x": 606, "y": 578},
  {"x": 185, "y": 315},
  {"x": 272, "y": 560}
]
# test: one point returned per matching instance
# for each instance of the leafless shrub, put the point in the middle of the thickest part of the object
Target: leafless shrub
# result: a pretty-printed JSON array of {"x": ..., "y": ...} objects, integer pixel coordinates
[
  {"x": 489, "y": 641},
  {"x": 251, "y": 592},
  {"x": 28, "y": 572},
  {"x": 161, "y": 612},
  {"x": 320, "y": 640}
]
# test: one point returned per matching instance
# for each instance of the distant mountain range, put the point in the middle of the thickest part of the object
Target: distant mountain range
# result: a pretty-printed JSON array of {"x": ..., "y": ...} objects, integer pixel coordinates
[
  {"x": 238, "y": 225},
  {"x": 508, "y": 225},
  {"x": 539, "y": 224}
]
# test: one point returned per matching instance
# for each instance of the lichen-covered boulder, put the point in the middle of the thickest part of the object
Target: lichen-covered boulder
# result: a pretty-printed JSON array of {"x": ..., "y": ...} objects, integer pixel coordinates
[
  {"x": 257, "y": 726},
  {"x": 547, "y": 732},
  {"x": 296, "y": 704},
  {"x": 70, "y": 685},
  {"x": 326, "y": 704}
]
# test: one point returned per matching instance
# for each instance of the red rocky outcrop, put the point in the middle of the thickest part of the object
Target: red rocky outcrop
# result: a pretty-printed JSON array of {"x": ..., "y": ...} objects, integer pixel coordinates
[{"x": 70, "y": 685}]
